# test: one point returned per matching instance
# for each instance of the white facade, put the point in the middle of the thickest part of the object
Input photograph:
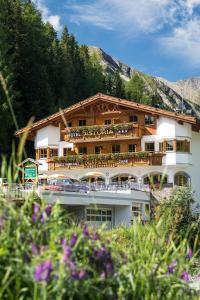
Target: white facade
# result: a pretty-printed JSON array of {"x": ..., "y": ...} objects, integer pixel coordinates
[{"x": 174, "y": 162}]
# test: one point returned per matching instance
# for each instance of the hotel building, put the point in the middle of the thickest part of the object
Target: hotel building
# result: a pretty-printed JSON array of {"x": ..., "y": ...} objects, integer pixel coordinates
[{"x": 120, "y": 141}]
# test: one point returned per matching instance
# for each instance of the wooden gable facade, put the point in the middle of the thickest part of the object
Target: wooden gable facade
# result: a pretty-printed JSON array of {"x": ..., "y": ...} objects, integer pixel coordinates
[{"x": 103, "y": 128}]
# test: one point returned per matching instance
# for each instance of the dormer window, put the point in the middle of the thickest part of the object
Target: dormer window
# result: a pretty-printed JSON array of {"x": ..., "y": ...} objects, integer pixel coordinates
[
  {"x": 149, "y": 120},
  {"x": 82, "y": 123},
  {"x": 133, "y": 119}
]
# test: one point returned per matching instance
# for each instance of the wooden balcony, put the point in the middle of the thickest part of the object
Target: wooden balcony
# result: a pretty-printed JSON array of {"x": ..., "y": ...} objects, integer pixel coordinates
[
  {"x": 94, "y": 133},
  {"x": 109, "y": 160}
]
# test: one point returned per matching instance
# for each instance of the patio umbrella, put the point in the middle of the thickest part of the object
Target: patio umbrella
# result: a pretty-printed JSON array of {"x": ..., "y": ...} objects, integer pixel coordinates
[
  {"x": 55, "y": 176},
  {"x": 94, "y": 174},
  {"x": 42, "y": 176}
]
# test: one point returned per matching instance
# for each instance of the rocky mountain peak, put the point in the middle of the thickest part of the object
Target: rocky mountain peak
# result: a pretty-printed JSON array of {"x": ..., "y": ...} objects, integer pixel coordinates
[{"x": 177, "y": 96}]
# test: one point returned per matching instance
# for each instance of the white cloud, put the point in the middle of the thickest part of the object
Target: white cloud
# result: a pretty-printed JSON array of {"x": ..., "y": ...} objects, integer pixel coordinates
[
  {"x": 185, "y": 41},
  {"x": 133, "y": 15},
  {"x": 176, "y": 22},
  {"x": 54, "y": 20},
  {"x": 191, "y": 5}
]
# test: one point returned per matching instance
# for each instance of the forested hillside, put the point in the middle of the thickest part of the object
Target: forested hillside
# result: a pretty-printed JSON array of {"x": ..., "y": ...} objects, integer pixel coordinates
[{"x": 41, "y": 72}]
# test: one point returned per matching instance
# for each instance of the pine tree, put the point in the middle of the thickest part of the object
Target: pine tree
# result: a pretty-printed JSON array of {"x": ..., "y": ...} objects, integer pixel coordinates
[
  {"x": 117, "y": 86},
  {"x": 135, "y": 88}
]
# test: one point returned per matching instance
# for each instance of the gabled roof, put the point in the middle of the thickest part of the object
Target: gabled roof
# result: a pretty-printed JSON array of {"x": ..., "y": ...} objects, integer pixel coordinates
[
  {"x": 31, "y": 160},
  {"x": 129, "y": 104}
]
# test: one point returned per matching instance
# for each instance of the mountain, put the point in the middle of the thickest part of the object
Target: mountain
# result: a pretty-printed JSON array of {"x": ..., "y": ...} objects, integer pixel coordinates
[{"x": 181, "y": 95}]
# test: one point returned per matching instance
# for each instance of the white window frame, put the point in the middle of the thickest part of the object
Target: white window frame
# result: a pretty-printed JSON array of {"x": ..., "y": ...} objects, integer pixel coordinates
[{"x": 94, "y": 213}]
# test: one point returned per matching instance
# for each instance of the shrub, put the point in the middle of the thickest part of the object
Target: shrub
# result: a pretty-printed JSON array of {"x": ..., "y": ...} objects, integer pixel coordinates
[
  {"x": 43, "y": 257},
  {"x": 176, "y": 212}
]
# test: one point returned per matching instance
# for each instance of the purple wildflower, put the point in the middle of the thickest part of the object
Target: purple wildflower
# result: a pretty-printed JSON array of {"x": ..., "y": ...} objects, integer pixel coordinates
[
  {"x": 86, "y": 231},
  {"x": 36, "y": 208},
  {"x": 73, "y": 240},
  {"x": 26, "y": 258},
  {"x": 36, "y": 211},
  {"x": 109, "y": 267},
  {"x": 82, "y": 274},
  {"x": 43, "y": 271},
  {"x": 48, "y": 209},
  {"x": 75, "y": 275},
  {"x": 67, "y": 253},
  {"x": 71, "y": 264},
  {"x": 95, "y": 236},
  {"x": 35, "y": 249},
  {"x": 42, "y": 218},
  {"x": 63, "y": 241},
  {"x": 185, "y": 276},
  {"x": 34, "y": 218},
  {"x": 171, "y": 267},
  {"x": 190, "y": 253},
  {"x": 78, "y": 275}
]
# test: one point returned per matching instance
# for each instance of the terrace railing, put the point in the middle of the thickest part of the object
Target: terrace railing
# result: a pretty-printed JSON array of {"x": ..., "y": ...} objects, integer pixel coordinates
[
  {"x": 87, "y": 133},
  {"x": 109, "y": 160},
  {"x": 15, "y": 191}
]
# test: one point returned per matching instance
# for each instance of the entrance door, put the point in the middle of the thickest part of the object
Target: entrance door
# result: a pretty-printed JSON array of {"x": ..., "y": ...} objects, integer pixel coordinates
[{"x": 99, "y": 217}]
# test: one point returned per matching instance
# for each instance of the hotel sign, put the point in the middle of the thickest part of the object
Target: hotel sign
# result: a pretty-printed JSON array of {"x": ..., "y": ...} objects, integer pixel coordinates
[{"x": 30, "y": 172}]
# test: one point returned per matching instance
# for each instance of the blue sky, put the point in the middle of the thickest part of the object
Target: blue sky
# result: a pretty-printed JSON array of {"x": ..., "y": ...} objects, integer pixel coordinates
[{"x": 158, "y": 37}]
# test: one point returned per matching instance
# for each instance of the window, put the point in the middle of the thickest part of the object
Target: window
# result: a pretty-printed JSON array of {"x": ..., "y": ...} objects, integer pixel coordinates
[
  {"x": 182, "y": 180},
  {"x": 180, "y": 146},
  {"x": 66, "y": 151},
  {"x": 107, "y": 122},
  {"x": 136, "y": 210},
  {"x": 43, "y": 153},
  {"x": 82, "y": 150},
  {"x": 53, "y": 152},
  {"x": 115, "y": 148},
  {"x": 149, "y": 120},
  {"x": 147, "y": 209},
  {"x": 132, "y": 148},
  {"x": 82, "y": 123},
  {"x": 99, "y": 215},
  {"x": 133, "y": 119},
  {"x": 161, "y": 148},
  {"x": 69, "y": 124},
  {"x": 150, "y": 147},
  {"x": 169, "y": 146},
  {"x": 98, "y": 149},
  {"x": 155, "y": 179}
]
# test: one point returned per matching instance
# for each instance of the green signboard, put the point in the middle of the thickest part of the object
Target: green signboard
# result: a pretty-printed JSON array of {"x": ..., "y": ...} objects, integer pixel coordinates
[{"x": 30, "y": 173}]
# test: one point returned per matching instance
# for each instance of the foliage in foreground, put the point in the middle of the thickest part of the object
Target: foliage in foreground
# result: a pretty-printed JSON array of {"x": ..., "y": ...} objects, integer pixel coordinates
[
  {"x": 42, "y": 256},
  {"x": 177, "y": 216}
]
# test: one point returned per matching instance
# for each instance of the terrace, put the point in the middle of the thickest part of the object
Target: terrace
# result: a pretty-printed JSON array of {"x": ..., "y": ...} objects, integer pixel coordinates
[
  {"x": 105, "y": 160},
  {"x": 121, "y": 131}
]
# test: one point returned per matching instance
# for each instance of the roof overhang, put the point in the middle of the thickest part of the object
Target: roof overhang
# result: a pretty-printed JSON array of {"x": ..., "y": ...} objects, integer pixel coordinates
[{"x": 127, "y": 103}]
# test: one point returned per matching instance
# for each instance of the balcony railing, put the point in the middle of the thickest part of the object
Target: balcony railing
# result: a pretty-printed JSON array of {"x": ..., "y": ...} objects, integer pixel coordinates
[
  {"x": 124, "y": 130},
  {"x": 105, "y": 160}
]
